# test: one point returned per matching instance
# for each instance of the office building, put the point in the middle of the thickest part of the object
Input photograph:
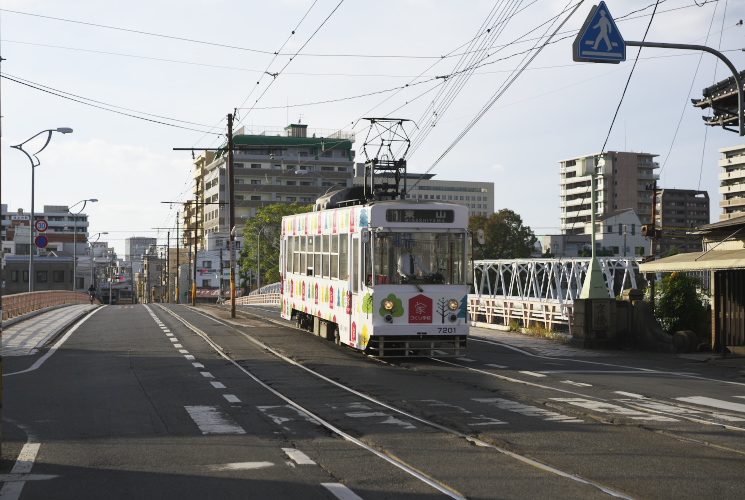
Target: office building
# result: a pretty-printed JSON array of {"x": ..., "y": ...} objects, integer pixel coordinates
[
  {"x": 678, "y": 211},
  {"x": 732, "y": 182},
  {"x": 136, "y": 246}
]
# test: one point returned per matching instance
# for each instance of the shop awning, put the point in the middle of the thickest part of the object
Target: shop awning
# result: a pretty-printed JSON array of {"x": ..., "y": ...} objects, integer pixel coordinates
[{"x": 697, "y": 261}]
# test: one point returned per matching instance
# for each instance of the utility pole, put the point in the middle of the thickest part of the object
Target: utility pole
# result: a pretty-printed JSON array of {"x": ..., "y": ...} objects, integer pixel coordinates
[
  {"x": 178, "y": 234},
  {"x": 231, "y": 209},
  {"x": 196, "y": 235},
  {"x": 168, "y": 267}
]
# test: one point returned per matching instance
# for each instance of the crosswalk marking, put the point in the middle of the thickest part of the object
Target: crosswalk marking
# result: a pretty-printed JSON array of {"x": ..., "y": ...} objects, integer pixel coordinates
[
  {"x": 714, "y": 403},
  {"x": 211, "y": 420},
  {"x": 612, "y": 409},
  {"x": 528, "y": 411}
]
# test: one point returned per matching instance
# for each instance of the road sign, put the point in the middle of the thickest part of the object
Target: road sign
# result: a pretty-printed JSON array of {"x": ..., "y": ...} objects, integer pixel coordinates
[
  {"x": 41, "y": 241},
  {"x": 41, "y": 225},
  {"x": 599, "y": 39}
]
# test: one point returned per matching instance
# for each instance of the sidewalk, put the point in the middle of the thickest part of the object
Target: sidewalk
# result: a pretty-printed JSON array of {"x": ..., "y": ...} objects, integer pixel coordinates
[{"x": 26, "y": 336}]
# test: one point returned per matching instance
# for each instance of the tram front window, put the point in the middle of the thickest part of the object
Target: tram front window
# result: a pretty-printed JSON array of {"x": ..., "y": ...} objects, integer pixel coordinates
[{"x": 421, "y": 258}]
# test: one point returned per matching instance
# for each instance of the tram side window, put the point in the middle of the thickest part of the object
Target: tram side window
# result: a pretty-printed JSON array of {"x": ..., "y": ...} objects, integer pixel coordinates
[
  {"x": 317, "y": 254},
  {"x": 296, "y": 256},
  {"x": 303, "y": 254},
  {"x": 355, "y": 271},
  {"x": 343, "y": 257},
  {"x": 335, "y": 257},
  {"x": 289, "y": 254},
  {"x": 367, "y": 262},
  {"x": 326, "y": 267}
]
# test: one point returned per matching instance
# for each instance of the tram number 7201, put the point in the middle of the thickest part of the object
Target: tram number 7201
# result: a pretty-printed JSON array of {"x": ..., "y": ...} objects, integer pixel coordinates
[{"x": 447, "y": 329}]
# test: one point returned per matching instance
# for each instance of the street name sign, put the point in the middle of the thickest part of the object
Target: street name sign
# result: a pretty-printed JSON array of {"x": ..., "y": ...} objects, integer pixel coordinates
[{"x": 599, "y": 39}]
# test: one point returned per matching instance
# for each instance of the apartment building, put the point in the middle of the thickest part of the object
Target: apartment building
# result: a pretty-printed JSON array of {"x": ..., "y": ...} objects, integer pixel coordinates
[
  {"x": 678, "y": 211},
  {"x": 295, "y": 164},
  {"x": 622, "y": 184},
  {"x": 62, "y": 227},
  {"x": 732, "y": 182},
  {"x": 477, "y": 196}
]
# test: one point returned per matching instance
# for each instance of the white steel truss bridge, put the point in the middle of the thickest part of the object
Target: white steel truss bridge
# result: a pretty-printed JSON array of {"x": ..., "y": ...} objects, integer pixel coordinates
[{"x": 541, "y": 291}]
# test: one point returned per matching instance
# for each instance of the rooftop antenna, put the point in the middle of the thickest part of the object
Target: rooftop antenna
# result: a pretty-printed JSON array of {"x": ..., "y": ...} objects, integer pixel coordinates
[{"x": 383, "y": 172}]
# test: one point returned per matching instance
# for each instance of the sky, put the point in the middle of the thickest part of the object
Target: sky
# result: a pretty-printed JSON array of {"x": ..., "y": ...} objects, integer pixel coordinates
[{"x": 167, "y": 73}]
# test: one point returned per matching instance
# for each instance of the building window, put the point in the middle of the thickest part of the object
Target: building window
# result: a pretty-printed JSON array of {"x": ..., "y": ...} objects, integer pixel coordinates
[
  {"x": 58, "y": 276},
  {"x": 206, "y": 283},
  {"x": 14, "y": 276},
  {"x": 256, "y": 165},
  {"x": 291, "y": 183},
  {"x": 328, "y": 169},
  {"x": 239, "y": 197},
  {"x": 206, "y": 263},
  {"x": 41, "y": 276},
  {"x": 256, "y": 198},
  {"x": 239, "y": 165},
  {"x": 327, "y": 154},
  {"x": 341, "y": 169},
  {"x": 25, "y": 276},
  {"x": 255, "y": 181}
]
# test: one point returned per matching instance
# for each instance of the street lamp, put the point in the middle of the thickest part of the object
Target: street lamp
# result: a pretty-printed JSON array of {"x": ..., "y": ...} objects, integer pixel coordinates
[
  {"x": 75, "y": 239},
  {"x": 35, "y": 162}
]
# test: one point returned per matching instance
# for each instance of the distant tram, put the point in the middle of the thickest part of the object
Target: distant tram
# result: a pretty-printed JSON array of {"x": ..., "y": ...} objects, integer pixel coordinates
[{"x": 385, "y": 277}]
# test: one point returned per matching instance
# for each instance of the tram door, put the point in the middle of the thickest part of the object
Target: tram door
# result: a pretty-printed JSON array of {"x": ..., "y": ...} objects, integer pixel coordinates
[{"x": 354, "y": 280}]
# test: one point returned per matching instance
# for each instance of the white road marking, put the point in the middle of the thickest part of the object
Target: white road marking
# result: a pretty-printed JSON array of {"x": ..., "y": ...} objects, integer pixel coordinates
[
  {"x": 218, "y": 385},
  {"x": 197, "y": 365},
  {"x": 578, "y": 384},
  {"x": 481, "y": 419},
  {"x": 166, "y": 330},
  {"x": 631, "y": 395},
  {"x": 279, "y": 420},
  {"x": 23, "y": 465},
  {"x": 441, "y": 353},
  {"x": 390, "y": 420},
  {"x": 497, "y": 366},
  {"x": 231, "y": 398},
  {"x": 184, "y": 351},
  {"x": 529, "y": 411},
  {"x": 467, "y": 360},
  {"x": 715, "y": 403},
  {"x": 211, "y": 420},
  {"x": 173, "y": 339},
  {"x": 169, "y": 334},
  {"x": 177, "y": 346},
  {"x": 534, "y": 374},
  {"x": 207, "y": 375},
  {"x": 340, "y": 491},
  {"x": 189, "y": 357},
  {"x": 612, "y": 409},
  {"x": 298, "y": 457},
  {"x": 241, "y": 466}
]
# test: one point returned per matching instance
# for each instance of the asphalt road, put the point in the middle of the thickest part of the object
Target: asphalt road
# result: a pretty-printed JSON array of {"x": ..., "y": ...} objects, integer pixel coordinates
[{"x": 170, "y": 402}]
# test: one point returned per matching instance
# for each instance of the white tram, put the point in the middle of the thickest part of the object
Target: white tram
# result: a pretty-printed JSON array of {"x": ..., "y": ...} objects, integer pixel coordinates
[{"x": 386, "y": 277}]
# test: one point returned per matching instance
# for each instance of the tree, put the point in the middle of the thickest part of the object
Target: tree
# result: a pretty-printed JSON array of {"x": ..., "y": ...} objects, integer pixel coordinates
[
  {"x": 680, "y": 303},
  {"x": 506, "y": 236},
  {"x": 263, "y": 234}
]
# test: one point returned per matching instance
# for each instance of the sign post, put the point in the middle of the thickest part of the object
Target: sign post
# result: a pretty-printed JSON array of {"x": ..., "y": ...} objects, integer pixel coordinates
[{"x": 599, "y": 39}]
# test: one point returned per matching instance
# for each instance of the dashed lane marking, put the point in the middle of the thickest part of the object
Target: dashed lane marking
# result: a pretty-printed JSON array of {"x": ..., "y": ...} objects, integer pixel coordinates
[
  {"x": 184, "y": 351},
  {"x": 578, "y": 384},
  {"x": 207, "y": 375},
  {"x": 231, "y": 398},
  {"x": 467, "y": 360},
  {"x": 496, "y": 366},
  {"x": 178, "y": 346},
  {"x": 631, "y": 395},
  {"x": 340, "y": 491},
  {"x": 189, "y": 357},
  {"x": 241, "y": 466},
  {"x": 211, "y": 420},
  {"x": 298, "y": 457},
  {"x": 218, "y": 385},
  {"x": 197, "y": 365},
  {"x": 533, "y": 374}
]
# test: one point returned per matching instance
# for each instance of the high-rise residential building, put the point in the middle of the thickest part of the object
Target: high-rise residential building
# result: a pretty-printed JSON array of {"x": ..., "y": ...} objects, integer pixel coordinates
[
  {"x": 732, "y": 182},
  {"x": 477, "y": 196},
  {"x": 295, "y": 164},
  {"x": 677, "y": 211},
  {"x": 136, "y": 246},
  {"x": 623, "y": 183}
]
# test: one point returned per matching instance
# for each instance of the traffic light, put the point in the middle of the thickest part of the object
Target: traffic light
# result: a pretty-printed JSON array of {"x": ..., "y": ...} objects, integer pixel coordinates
[
  {"x": 722, "y": 98},
  {"x": 650, "y": 232}
]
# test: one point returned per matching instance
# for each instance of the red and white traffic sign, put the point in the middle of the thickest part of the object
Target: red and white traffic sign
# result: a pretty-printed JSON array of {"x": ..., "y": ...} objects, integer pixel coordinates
[
  {"x": 41, "y": 225},
  {"x": 41, "y": 241}
]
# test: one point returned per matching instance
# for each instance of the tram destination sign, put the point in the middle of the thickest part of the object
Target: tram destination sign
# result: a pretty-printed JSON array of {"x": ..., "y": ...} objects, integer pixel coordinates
[{"x": 420, "y": 216}]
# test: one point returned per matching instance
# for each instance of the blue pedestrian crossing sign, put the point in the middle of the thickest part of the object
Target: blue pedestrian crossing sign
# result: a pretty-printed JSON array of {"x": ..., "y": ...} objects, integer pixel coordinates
[{"x": 599, "y": 39}]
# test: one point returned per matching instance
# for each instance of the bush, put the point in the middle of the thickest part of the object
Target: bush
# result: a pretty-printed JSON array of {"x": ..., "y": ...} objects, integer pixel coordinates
[{"x": 680, "y": 305}]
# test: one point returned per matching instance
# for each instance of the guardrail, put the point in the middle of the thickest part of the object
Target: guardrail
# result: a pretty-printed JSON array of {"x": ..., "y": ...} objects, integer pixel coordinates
[
  {"x": 23, "y": 303},
  {"x": 266, "y": 298},
  {"x": 502, "y": 311}
]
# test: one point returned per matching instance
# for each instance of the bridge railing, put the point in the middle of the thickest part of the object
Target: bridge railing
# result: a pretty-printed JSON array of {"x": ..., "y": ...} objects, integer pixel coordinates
[{"x": 23, "y": 303}]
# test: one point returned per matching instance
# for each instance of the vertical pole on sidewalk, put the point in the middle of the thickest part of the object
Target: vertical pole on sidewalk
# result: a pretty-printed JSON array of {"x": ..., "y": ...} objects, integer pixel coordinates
[
  {"x": 178, "y": 235},
  {"x": 231, "y": 208}
]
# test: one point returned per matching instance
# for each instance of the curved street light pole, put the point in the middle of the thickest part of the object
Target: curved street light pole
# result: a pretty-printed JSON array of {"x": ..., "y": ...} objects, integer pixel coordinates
[
  {"x": 75, "y": 239},
  {"x": 35, "y": 162},
  {"x": 93, "y": 266}
]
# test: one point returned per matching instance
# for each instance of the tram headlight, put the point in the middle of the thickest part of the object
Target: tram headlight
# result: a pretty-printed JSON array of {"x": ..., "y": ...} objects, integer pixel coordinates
[
  {"x": 453, "y": 304},
  {"x": 388, "y": 305}
]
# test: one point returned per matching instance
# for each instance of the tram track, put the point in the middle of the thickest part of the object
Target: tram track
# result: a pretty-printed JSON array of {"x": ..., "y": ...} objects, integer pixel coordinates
[{"x": 380, "y": 451}]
